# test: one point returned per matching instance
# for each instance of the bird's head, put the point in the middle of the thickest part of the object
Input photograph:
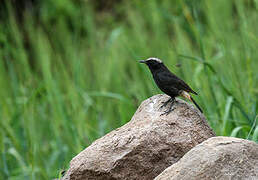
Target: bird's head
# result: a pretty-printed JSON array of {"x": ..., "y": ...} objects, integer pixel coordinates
[{"x": 153, "y": 63}]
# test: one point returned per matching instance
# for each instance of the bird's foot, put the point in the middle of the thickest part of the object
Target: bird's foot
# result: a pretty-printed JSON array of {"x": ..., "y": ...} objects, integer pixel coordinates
[
  {"x": 165, "y": 103},
  {"x": 171, "y": 108},
  {"x": 167, "y": 112}
]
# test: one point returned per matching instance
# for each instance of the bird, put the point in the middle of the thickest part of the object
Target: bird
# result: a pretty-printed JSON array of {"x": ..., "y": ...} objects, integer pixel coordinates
[{"x": 169, "y": 83}]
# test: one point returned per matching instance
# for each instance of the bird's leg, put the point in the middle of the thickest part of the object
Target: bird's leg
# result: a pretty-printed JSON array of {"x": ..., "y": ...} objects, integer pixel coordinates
[
  {"x": 165, "y": 103},
  {"x": 170, "y": 107}
]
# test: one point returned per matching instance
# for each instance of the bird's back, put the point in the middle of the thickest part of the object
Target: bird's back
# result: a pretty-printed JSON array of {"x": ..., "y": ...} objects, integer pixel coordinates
[{"x": 170, "y": 84}]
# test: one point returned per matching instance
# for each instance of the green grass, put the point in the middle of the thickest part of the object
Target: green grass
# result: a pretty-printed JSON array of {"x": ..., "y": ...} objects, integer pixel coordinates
[{"x": 70, "y": 75}]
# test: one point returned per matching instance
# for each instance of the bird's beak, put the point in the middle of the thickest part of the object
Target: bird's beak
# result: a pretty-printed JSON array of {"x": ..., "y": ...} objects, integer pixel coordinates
[{"x": 142, "y": 61}]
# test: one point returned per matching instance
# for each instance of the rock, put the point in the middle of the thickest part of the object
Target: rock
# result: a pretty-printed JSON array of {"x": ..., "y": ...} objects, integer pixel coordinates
[
  {"x": 145, "y": 146},
  {"x": 216, "y": 158}
]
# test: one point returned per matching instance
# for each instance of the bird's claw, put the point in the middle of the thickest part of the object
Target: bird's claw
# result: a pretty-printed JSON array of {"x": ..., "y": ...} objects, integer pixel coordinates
[
  {"x": 171, "y": 108},
  {"x": 167, "y": 112},
  {"x": 165, "y": 103}
]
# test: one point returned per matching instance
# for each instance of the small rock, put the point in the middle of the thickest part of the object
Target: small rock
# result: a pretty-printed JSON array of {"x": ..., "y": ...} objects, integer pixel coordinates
[
  {"x": 145, "y": 146},
  {"x": 216, "y": 158}
]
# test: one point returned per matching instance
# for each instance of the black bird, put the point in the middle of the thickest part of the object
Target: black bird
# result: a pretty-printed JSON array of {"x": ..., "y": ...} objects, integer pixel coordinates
[{"x": 168, "y": 82}]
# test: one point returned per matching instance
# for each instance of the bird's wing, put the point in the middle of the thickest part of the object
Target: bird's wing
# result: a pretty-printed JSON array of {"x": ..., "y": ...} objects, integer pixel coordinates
[{"x": 170, "y": 79}]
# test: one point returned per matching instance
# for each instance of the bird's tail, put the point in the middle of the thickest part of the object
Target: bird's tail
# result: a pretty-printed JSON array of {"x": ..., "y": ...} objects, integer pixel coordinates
[
  {"x": 195, "y": 104},
  {"x": 188, "y": 96}
]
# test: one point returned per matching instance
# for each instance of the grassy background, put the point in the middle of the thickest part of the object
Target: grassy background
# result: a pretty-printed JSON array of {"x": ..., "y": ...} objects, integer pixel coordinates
[{"x": 69, "y": 72}]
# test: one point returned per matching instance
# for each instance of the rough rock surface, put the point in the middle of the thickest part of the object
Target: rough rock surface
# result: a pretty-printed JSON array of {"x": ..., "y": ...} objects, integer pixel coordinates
[
  {"x": 145, "y": 146},
  {"x": 216, "y": 158}
]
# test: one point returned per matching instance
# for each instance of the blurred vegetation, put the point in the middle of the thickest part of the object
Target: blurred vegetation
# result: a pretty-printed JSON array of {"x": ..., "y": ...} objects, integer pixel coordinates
[{"x": 69, "y": 72}]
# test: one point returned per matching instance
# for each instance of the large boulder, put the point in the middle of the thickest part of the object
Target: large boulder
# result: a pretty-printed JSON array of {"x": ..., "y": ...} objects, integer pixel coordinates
[
  {"x": 216, "y": 158},
  {"x": 145, "y": 146}
]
